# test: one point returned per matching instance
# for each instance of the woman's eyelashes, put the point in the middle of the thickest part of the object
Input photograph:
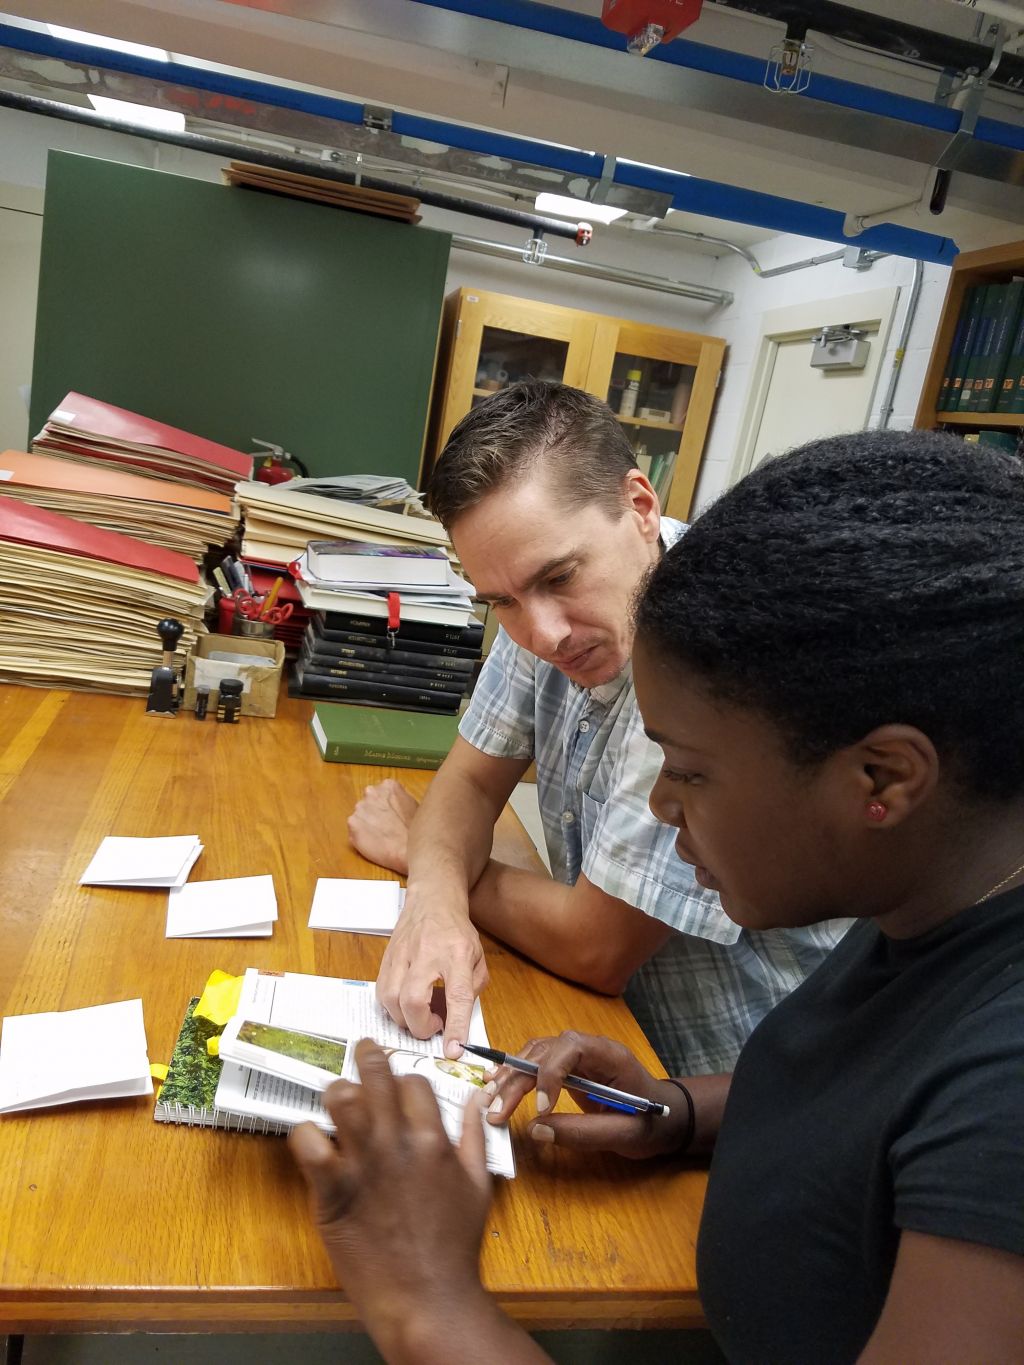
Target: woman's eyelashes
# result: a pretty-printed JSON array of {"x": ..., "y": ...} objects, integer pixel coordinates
[{"x": 670, "y": 775}]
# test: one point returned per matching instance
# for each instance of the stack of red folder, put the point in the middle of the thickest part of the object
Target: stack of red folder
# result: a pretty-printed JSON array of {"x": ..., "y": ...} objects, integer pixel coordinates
[
  {"x": 79, "y": 606},
  {"x": 174, "y": 515},
  {"x": 83, "y": 428}
]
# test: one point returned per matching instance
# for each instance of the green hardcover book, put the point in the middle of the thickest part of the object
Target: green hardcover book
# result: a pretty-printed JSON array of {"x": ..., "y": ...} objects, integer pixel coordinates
[
  {"x": 955, "y": 353},
  {"x": 986, "y": 392},
  {"x": 978, "y": 360},
  {"x": 972, "y": 302},
  {"x": 381, "y": 736},
  {"x": 1014, "y": 370}
]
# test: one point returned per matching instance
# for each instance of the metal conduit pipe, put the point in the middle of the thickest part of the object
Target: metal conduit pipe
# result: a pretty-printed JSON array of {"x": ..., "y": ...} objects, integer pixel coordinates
[
  {"x": 748, "y": 256},
  {"x": 33, "y": 104},
  {"x": 752, "y": 260},
  {"x": 720, "y": 297},
  {"x": 888, "y": 402}
]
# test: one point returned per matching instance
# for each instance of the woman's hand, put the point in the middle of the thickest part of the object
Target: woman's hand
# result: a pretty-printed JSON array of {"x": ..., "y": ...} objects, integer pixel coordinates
[
  {"x": 596, "y": 1129},
  {"x": 401, "y": 1211}
]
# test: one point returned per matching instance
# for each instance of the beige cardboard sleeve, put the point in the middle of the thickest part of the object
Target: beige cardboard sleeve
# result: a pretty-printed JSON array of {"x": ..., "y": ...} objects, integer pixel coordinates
[{"x": 261, "y": 684}]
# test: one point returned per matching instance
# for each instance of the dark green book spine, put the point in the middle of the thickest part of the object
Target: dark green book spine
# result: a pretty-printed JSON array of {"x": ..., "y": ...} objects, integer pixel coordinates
[
  {"x": 956, "y": 389},
  {"x": 955, "y": 352},
  {"x": 1014, "y": 369},
  {"x": 986, "y": 396},
  {"x": 978, "y": 361}
]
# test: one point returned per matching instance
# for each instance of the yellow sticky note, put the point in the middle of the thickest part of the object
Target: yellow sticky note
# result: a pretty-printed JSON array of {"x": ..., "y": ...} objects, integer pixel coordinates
[
  {"x": 158, "y": 1071},
  {"x": 219, "y": 1000},
  {"x": 213, "y": 1045}
]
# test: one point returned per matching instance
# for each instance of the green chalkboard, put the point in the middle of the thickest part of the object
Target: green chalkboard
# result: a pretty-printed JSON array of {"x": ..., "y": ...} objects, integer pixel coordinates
[{"x": 236, "y": 314}]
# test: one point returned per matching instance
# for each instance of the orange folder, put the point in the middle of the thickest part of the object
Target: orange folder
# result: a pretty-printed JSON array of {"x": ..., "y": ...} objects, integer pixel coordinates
[{"x": 72, "y": 476}]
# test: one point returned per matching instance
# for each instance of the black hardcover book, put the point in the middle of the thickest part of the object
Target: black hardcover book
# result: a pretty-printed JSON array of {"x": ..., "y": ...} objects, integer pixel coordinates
[
  {"x": 322, "y": 685},
  {"x": 350, "y": 646},
  {"x": 468, "y": 637},
  {"x": 383, "y": 672},
  {"x": 400, "y": 677}
]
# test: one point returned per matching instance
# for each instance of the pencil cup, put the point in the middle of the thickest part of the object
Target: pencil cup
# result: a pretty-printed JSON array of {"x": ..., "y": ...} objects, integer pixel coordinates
[{"x": 254, "y": 629}]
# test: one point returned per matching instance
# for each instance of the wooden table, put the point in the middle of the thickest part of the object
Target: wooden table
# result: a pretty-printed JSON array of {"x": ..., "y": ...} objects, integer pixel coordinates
[{"x": 109, "y": 1220}]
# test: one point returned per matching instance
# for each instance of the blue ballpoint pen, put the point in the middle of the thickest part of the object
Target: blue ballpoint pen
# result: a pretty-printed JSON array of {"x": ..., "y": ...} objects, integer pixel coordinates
[{"x": 594, "y": 1090}]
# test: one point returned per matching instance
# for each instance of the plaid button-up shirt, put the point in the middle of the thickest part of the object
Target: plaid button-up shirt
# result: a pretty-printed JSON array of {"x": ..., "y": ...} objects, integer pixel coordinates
[{"x": 700, "y": 996}]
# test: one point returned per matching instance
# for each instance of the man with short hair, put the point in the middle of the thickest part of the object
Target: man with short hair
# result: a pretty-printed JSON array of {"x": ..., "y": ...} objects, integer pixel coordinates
[{"x": 557, "y": 528}]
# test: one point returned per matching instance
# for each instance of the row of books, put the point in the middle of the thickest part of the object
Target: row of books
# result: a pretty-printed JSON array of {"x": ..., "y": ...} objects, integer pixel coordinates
[
  {"x": 985, "y": 367},
  {"x": 420, "y": 667}
]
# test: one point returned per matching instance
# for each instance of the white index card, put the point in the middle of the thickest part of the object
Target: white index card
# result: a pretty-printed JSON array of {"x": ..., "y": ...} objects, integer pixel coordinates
[
  {"x": 121, "y": 861},
  {"x": 66, "y": 1056},
  {"x": 360, "y": 907},
  {"x": 232, "y": 907}
]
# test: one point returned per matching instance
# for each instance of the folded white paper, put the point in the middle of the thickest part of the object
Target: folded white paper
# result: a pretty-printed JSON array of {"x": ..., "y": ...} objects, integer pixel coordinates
[
  {"x": 360, "y": 907},
  {"x": 66, "y": 1056},
  {"x": 234, "y": 907},
  {"x": 143, "y": 862}
]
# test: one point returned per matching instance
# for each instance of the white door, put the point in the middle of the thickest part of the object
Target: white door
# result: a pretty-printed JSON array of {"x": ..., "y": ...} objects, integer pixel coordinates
[{"x": 791, "y": 402}]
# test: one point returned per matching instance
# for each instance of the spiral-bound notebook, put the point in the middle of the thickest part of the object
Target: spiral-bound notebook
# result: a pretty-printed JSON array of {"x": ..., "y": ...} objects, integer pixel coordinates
[{"x": 205, "y": 1091}]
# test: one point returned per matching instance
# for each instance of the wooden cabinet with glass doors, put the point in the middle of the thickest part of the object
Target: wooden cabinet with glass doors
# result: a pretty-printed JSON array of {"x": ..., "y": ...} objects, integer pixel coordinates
[{"x": 659, "y": 382}]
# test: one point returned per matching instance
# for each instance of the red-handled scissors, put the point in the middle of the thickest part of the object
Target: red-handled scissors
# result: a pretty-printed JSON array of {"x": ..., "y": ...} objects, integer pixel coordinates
[
  {"x": 247, "y": 605},
  {"x": 277, "y": 615}
]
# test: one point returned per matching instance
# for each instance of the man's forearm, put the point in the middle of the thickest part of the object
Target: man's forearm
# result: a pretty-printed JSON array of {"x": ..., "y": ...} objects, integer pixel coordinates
[
  {"x": 531, "y": 912},
  {"x": 450, "y": 839}
]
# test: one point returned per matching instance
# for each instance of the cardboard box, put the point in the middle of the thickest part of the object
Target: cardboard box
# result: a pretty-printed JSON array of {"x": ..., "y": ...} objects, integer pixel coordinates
[{"x": 261, "y": 684}]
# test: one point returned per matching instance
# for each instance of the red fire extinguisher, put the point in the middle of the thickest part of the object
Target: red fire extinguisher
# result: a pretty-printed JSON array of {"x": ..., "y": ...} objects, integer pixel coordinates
[{"x": 274, "y": 463}]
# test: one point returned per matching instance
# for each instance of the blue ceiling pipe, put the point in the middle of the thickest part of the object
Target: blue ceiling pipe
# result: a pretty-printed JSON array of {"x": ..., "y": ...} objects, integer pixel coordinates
[{"x": 707, "y": 197}]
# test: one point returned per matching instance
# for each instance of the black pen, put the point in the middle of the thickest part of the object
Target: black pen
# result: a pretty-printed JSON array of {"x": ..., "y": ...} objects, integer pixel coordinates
[{"x": 604, "y": 1094}]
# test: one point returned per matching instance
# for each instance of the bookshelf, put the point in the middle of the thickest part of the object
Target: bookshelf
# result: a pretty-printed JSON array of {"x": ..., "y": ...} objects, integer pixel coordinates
[{"x": 991, "y": 265}]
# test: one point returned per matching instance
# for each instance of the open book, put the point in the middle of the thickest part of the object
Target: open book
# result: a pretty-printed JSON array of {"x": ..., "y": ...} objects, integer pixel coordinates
[{"x": 288, "y": 1040}]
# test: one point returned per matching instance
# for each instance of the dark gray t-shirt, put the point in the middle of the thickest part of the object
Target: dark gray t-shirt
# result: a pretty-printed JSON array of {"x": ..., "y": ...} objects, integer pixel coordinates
[{"x": 886, "y": 1093}]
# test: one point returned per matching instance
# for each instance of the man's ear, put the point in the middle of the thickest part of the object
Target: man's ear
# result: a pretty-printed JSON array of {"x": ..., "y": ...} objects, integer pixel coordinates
[
  {"x": 897, "y": 769},
  {"x": 643, "y": 502}
]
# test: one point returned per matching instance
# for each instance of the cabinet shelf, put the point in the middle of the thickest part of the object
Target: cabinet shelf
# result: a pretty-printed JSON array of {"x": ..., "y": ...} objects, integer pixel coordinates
[
  {"x": 649, "y": 422},
  {"x": 981, "y": 419}
]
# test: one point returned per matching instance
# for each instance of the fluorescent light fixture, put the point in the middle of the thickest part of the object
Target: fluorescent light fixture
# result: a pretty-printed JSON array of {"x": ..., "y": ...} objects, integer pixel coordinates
[
  {"x": 579, "y": 210},
  {"x": 142, "y": 115},
  {"x": 76, "y": 35}
]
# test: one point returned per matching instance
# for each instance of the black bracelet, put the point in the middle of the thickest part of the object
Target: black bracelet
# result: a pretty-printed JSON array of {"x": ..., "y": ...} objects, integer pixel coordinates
[{"x": 691, "y": 1116}]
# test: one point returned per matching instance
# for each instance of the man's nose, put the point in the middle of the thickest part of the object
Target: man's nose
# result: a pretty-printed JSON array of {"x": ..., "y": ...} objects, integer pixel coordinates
[{"x": 548, "y": 628}]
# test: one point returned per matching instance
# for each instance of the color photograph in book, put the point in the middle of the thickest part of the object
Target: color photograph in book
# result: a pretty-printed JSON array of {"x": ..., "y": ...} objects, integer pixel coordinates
[
  {"x": 357, "y": 561},
  {"x": 314, "y": 1060}
]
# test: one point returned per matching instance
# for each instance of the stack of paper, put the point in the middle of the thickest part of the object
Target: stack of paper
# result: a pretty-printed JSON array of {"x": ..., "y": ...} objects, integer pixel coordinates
[
  {"x": 134, "y": 862},
  {"x": 82, "y": 428},
  {"x": 360, "y": 907},
  {"x": 280, "y": 521},
  {"x": 97, "y": 1053},
  {"x": 451, "y": 605},
  {"x": 234, "y": 907},
  {"x": 79, "y": 607},
  {"x": 173, "y": 515},
  {"x": 372, "y": 490}
]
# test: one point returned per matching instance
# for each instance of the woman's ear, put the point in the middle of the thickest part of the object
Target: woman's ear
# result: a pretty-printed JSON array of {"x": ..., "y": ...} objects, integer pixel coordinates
[{"x": 898, "y": 769}]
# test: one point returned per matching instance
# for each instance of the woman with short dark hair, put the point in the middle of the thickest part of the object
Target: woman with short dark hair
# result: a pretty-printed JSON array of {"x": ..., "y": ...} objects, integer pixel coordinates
[{"x": 830, "y": 660}]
